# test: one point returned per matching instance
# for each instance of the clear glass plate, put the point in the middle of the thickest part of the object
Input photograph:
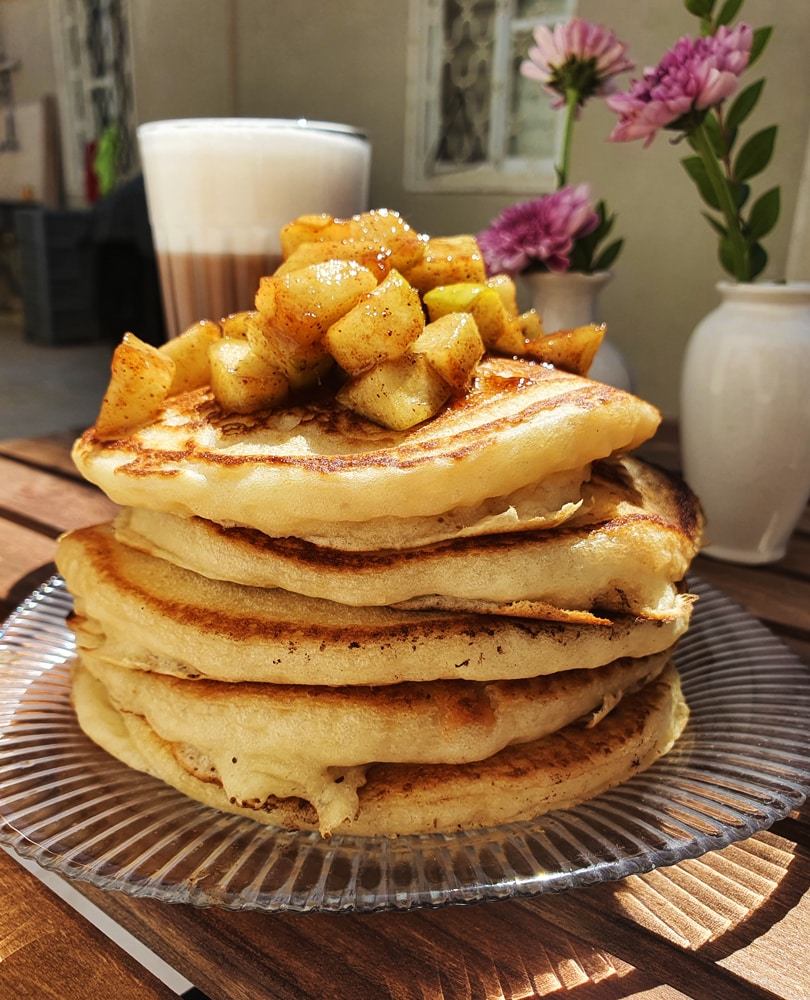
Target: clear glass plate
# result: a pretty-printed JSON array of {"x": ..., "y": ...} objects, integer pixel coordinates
[{"x": 742, "y": 764}]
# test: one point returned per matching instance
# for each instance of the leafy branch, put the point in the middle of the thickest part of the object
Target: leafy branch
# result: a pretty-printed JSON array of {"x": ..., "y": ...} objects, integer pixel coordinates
[{"x": 721, "y": 171}]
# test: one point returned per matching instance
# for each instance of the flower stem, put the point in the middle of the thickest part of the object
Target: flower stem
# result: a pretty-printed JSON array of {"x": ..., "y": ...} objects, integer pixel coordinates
[
  {"x": 571, "y": 99},
  {"x": 738, "y": 246}
]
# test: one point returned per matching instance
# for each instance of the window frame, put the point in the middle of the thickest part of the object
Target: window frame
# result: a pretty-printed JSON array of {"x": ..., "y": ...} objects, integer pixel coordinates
[{"x": 502, "y": 172}]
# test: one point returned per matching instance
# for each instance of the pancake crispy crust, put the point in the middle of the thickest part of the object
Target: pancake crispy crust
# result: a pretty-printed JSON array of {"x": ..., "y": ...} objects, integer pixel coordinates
[
  {"x": 152, "y": 614},
  {"x": 521, "y": 781},
  {"x": 285, "y": 471},
  {"x": 625, "y": 551}
]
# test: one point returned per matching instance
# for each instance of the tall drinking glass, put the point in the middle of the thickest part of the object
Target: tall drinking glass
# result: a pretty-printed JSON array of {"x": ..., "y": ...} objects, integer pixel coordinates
[{"x": 219, "y": 191}]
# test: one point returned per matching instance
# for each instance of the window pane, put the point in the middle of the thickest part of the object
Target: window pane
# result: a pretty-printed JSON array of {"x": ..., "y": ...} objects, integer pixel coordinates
[
  {"x": 534, "y": 123},
  {"x": 555, "y": 9},
  {"x": 473, "y": 122},
  {"x": 465, "y": 89}
]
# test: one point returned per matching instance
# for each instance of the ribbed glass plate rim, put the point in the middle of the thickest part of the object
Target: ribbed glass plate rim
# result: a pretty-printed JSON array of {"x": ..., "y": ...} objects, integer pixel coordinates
[{"x": 742, "y": 764}]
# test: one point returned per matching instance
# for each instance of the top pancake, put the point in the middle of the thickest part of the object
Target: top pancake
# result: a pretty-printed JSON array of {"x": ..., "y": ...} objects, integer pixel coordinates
[{"x": 286, "y": 471}]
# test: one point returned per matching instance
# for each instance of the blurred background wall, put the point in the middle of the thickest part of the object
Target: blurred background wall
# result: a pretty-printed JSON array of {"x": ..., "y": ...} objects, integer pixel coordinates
[{"x": 348, "y": 62}]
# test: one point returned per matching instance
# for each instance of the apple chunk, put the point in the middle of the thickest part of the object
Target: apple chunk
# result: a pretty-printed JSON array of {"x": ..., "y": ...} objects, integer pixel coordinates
[
  {"x": 242, "y": 381},
  {"x": 140, "y": 378},
  {"x": 499, "y": 330},
  {"x": 397, "y": 394},
  {"x": 447, "y": 260},
  {"x": 398, "y": 244},
  {"x": 189, "y": 352},
  {"x": 453, "y": 347},
  {"x": 304, "y": 365},
  {"x": 572, "y": 350},
  {"x": 306, "y": 302},
  {"x": 381, "y": 327}
]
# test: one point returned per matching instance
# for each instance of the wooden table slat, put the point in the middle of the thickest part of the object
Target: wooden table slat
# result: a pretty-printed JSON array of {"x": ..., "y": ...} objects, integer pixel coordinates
[
  {"x": 30, "y": 496},
  {"x": 48, "y": 950}
]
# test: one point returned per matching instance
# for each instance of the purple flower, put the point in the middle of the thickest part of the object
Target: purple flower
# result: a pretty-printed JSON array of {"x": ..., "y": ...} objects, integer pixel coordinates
[
  {"x": 578, "y": 56},
  {"x": 694, "y": 75},
  {"x": 538, "y": 234}
]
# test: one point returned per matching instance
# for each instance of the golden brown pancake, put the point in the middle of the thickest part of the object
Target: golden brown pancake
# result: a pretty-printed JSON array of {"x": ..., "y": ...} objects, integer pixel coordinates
[
  {"x": 519, "y": 782},
  {"x": 148, "y": 612},
  {"x": 286, "y": 471},
  {"x": 316, "y": 743},
  {"x": 626, "y": 550}
]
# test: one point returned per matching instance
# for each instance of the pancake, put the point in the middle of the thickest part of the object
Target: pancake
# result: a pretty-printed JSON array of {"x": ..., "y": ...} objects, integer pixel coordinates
[
  {"x": 139, "y": 610},
  {"x": 625, "y": 551},
  {"x": 521, "y": 781},
  {"x": 538, "y": 506},
  {"x": 286, "y": 471},
  {"x": 316, "y": 743}
]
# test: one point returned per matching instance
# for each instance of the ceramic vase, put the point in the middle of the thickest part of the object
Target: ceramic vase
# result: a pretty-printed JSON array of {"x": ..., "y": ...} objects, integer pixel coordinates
[
  {"x": 568, "y": 299},
  {"x": 745, "y": 418}
]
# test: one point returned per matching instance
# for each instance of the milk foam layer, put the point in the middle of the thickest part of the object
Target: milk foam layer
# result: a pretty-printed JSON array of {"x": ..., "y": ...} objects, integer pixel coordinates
[{"x": 219, "y": 186}]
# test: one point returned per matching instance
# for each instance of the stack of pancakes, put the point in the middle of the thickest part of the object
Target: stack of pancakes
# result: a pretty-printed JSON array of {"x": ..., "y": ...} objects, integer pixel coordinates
[{"x": 309, "y": 619}]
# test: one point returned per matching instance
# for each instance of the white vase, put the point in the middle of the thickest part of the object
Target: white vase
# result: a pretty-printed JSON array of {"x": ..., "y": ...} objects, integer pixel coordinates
[
  {"x": 745, "y": 418},
  {"x": 567, "y": 299}
]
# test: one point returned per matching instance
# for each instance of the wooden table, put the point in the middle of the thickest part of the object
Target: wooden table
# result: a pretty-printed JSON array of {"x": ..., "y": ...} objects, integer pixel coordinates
[{"x": 732, "y": 924}]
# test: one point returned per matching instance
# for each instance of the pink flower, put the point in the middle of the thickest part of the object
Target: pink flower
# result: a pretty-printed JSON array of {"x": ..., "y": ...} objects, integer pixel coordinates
[
  {"x": 694, "y": 75},
  {"x": 539, "y": 234},
  {"x": 579, "y": 56}
]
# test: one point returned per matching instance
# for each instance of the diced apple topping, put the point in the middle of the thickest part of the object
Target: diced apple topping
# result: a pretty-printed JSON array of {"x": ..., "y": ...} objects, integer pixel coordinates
[
  {"x": 572, "y": 350},
  {"x": 395, "y": 321},
  {"x": 499, "y": 330},
  {"x": 447, "y": 260},
  {"x": 453, "y": 347},
  {"x": 306, "y": 302},
  {"x": 242, "y": 381},
  {"x": 397, "y": 394},
  {"x": 381, "y": 327},
  {"x": 303, "y": 365},
  {"x": 141, "y": 377},
  {"x": 189, "y": 352}
]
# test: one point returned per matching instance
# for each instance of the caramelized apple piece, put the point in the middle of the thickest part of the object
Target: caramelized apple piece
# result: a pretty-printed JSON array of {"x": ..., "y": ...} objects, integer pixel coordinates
[
  {"x": 499, "y": 330},
  {"x": 140, "y": 379},
  {"x": 453, "y": 347},
  {"x": 397, "y": 394},
  {"x": 571, "y": 350},
  {"x": 306, "y": 302},
  {"x": 242, "y": 381},
  {"x": 189, "y": 352},
  {"x": 447, "y": 260},
  {"x": 381, "y": 327}
]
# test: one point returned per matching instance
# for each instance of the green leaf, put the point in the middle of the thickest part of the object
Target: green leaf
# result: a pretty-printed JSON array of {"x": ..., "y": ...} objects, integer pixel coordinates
[
  {"x": 744, "y": 104},
  {"x": 759, "y": 261},
  {"x": 729, "y": 11},
  {"x": 764, "y": 214},
  {"x": 716, "y": 225},
  {"x": 740, "y": 193},
  {"x": 608, "y": 256},
  {"x": 697, "y": 171},
  {"x": 755, "y": 155},
  {"x": 700, "y": 8},
  {"x": 761, "y": 38}
]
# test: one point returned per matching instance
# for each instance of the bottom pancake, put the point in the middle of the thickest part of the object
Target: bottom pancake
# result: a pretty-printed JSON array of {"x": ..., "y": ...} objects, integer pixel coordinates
[{"x": 520, "y": 782}]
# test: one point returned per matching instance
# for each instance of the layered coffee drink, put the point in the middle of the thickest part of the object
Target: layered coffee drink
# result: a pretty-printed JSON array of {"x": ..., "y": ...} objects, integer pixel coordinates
[
  {"x": 219, "y": 190},
  {"x": 209, "y": 285}
]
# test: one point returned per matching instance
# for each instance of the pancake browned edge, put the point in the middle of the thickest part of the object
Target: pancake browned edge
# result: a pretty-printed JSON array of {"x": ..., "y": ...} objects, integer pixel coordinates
[
  {"x": 284, "y": 471},
  {"x": 136, "y": 609},
  {"x": 520, "y": 782},
  {"x": 626, "y": 550}
]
